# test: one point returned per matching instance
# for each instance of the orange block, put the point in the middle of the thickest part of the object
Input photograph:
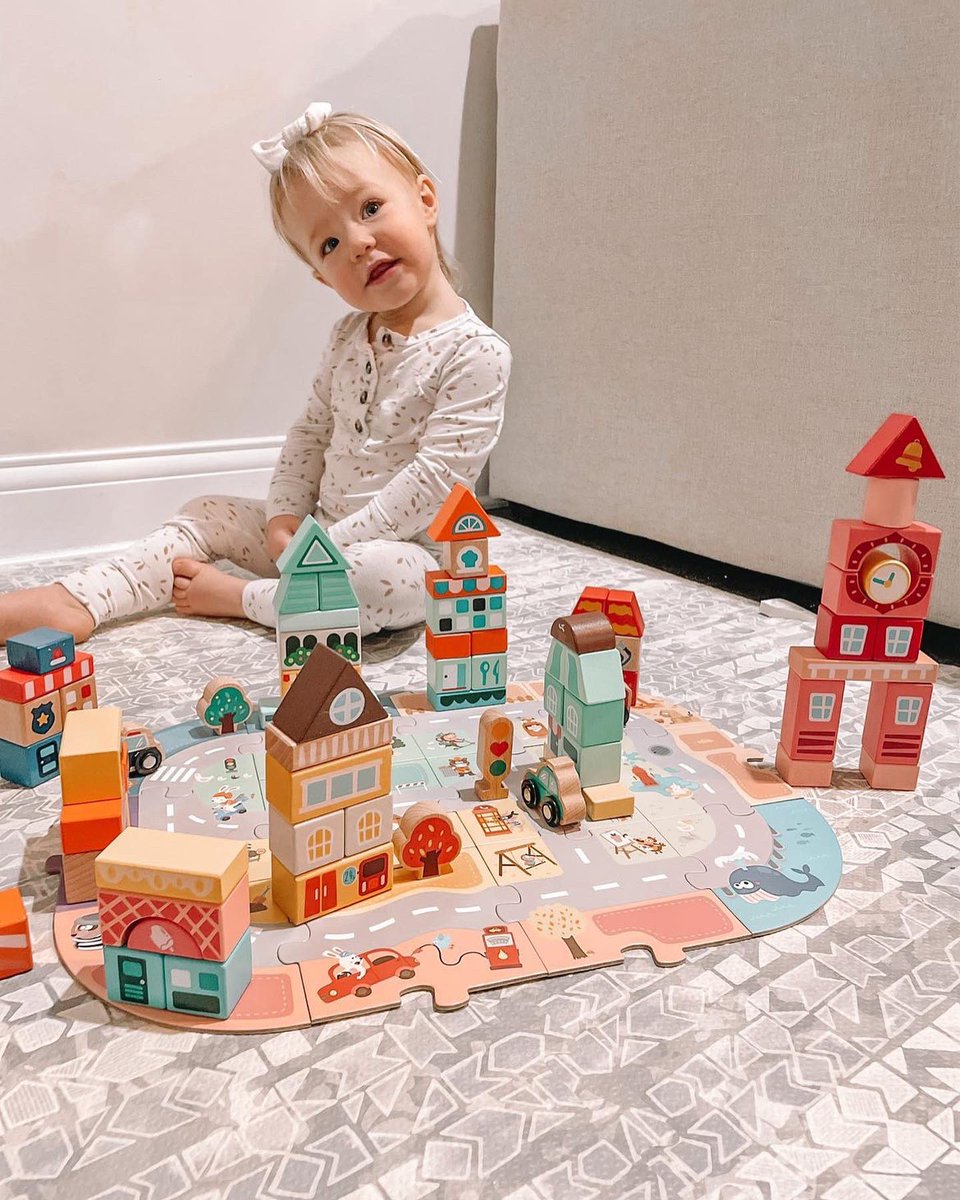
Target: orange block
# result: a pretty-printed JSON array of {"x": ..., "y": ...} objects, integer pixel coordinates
[
  {"x": 448, "y": 645},
  {"x": 16, "y": 955},
  {"x": 488, "y": 641},
  {"x": 91, "y": 826},
  {"x": 93, "y": 759}
]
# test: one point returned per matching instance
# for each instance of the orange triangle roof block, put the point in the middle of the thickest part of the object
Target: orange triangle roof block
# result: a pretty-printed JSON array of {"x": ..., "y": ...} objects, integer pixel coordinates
[
  {"x": 461, "y": 519},
  {"x": 898, "y": 450}
]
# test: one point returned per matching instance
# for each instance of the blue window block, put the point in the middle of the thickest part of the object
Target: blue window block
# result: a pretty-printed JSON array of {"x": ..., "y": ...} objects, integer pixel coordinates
[
  {"x": 41, "y": 650},
  {"x": 134, "y": 976},
  {"x": 208, "y": 989},
  {"x": 30, "y": 765},
  {"x": 488, "y": 671}
]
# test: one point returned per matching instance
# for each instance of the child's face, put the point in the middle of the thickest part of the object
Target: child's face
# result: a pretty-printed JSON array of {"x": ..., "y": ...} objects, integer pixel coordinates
[{"x": 380, "y": 216}]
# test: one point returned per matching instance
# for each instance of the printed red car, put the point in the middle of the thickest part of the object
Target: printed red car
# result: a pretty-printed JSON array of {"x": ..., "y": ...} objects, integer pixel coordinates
[{"x": 380, "y": 965}]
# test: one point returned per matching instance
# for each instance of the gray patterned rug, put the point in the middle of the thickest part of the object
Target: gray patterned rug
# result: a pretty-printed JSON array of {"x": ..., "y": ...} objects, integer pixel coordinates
[{"x": 823, "y": 1061}]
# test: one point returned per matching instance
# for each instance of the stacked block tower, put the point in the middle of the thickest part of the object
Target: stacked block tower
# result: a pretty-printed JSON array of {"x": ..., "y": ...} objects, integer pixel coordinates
[
  {"x": 175, "y": 921},
  {"x": 94, "y": 783},
  {"x": 466, "y": 610},
  {"x": 876, "y": 593},
  {"x": 46, "y": 679},
  {"x": 329, "y": 754},
  {"x": 316, "y": 604},
  {"x": 585, "y": 699},
  {"x": 622, "y": 610}
]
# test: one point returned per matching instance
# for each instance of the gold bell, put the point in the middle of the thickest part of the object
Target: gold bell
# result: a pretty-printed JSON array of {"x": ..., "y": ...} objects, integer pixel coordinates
[{"x": 912, "y": 456}]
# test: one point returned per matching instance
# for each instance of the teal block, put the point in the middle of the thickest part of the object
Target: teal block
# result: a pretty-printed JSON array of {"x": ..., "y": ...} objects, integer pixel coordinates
[
  {"x": 265, "y": 710},
  {"x": 208, "y": 989},
  {"x": 488, "y": 670},
  {"x": 599, "y": 764},
  {"x": 336, "y": 592},
  {"x": 446, "y": 701},
  {"x": 448, "y": 674},
  {"x": 555, "y": 659},
  {"x": 297, "y": 594},
  {"x": 134, "y": 976},
  {"x": 41, "y": 650},
  {"x": 601, "y": 678},
  {"x": 593, "y": 724},
  {"x": 311, "y": 622},
  {"x": 30, "y": 765},
  {"x": 553, "y": 696}
]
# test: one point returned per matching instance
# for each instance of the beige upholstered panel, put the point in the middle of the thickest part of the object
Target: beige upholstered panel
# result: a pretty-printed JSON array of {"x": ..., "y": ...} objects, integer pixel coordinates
[{"x": 727, "y": 247}]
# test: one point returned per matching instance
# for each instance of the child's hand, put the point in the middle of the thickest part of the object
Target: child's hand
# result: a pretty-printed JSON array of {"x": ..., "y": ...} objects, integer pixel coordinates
[{"x": 279, "y": 532}]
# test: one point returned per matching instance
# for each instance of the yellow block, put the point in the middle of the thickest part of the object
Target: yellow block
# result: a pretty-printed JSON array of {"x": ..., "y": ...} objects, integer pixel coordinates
[
  {"x": 93, "y": 760},
  {"x": 302, "y": 795},
  {"x": 332, "y": 886},
  {"x": 183, "y": 866}
]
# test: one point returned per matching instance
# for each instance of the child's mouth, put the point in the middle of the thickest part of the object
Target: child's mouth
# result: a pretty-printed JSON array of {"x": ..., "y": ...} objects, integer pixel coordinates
[{"x": 380, "y": 272}]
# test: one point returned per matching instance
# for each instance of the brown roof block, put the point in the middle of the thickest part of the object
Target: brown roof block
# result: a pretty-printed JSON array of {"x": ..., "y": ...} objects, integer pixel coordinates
[{"x": 327, "y": 681}]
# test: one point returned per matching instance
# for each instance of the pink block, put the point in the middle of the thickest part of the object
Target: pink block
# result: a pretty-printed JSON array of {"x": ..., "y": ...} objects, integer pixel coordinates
[
  {"x": 890, "y": 502},
  {"x": 182, "y": 927}
]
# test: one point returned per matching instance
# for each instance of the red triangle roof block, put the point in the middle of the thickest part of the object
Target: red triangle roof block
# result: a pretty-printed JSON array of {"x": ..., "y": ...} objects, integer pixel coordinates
[
  {"x": 898, "y": 450},
  {"x": 461, "y": 503}
]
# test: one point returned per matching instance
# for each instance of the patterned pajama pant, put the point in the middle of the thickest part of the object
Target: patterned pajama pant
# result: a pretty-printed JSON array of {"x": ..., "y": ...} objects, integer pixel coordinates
[{"x": 387, "y": 576}]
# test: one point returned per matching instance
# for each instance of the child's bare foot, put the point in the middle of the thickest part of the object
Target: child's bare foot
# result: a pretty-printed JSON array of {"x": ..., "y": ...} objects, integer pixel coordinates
[
  {"x": 50, "y": 605},
  {"x": 202, "y": 590}
]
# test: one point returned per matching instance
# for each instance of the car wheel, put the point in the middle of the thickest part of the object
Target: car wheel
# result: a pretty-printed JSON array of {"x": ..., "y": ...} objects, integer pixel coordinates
[
  {"x": 363, "y": 991},
  {"x": 551, "y": 812},
  {"x": 406, "y": 973},
  {"x": 529, "y": 794}
]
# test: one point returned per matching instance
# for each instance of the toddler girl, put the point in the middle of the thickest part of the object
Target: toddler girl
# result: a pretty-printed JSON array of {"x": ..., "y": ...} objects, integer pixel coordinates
[{"x": 408, "y": 402}]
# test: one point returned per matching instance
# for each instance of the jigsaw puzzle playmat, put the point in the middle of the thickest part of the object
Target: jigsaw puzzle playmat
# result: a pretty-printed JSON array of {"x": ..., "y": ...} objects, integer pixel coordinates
[{"x": 717, "y": 850}]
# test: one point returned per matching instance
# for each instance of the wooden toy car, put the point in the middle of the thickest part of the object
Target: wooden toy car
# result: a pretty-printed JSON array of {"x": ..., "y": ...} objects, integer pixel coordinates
[
  {"x": 144, "y": 754},
  {"x": 380, "y": 965},
  {"x": 553, "y": 786}
]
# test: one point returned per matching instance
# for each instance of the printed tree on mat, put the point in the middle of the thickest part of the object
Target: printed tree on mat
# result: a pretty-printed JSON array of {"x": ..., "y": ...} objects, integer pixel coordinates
[
  {"x": 560, "y": 921},
  {"x": 224, "y": 705},
  {"x": 426, "y": 839}
]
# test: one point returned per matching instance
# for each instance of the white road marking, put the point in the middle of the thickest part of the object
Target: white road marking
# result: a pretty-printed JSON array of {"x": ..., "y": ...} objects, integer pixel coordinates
[
  {"x": 474, "y": 908},
  {"x": 581, "y": 854},
  {"x": 738, "y": 829},
  {"x": 651, "y": 878},
  {"x": 707, "y": 788},
  {"x": 228, "y": 825},
  {"x": 198, "y": 820},
  {"x": 188, "y": 771},
  {"x": 170, "y": 827},
  {"x": 338, "y": 937},
  {"x": 418, "y": 912},
  {"x": 686, "y": 767},
  {"x": 383, "y": 924},
  {"x": 603, "y": 887},
  {"x": 552, "y": 895},
  {"x": 169, "y": 810},
  {"x": 177, "y": 772},
  {"x": 195, "y": 758}
]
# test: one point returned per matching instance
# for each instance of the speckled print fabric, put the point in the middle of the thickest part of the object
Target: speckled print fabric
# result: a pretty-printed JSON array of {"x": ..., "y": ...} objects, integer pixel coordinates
[
  {"x": 391, "y": 426},
  {"x": 386, "y": 575}
]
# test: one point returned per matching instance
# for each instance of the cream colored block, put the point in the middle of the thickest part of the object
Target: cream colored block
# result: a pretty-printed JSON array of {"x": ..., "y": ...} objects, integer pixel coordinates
[{"x": 184, "y": 866}]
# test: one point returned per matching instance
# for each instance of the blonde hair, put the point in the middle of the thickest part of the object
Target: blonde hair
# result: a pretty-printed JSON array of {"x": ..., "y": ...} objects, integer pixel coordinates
[{"x": 313, "y": 159}]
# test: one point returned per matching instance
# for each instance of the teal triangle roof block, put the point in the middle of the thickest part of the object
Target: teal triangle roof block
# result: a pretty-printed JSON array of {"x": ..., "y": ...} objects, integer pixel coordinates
[{"x": 311, "y": 551}]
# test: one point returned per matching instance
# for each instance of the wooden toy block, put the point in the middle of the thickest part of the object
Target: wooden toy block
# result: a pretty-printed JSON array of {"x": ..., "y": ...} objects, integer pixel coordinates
[
  {"x": 21, "y": 686},
  {"x": 79, "y": 879},
  {"x": 811, "y": 718},
  {"x": 186, "y": 928},
  {"x": 488, "y": 670},
  {"x": 302, "y": 897},
  {"x": 895, "y": 721},
  {"x": 368, "y": 824},
  {"x": 35, "y": 721},
  {"x": 809, "y": 663},
  {"x": 594, "y": 724},
  {"x": 608, "y": 800},
  {"x": 93, "y": 760},
  {"x": 595, "y": 764},
  {"x": 461, "y": 518},
  {"x": 183, "y": 866},
  {"x": 898, "y": 450},
  {"x": 494, "y": 755},
  {"x": 553, "y": 787},
  {"x": 224, "y": 705},
  {"x": 295, "y": 647},
  {"x": 466, "y": 614},
  {"x": 467, "y": 698},
  {"x": 80, "y": 694},
  {"x": 441, "y": 586},
  {"x": 313, "y": 573},
  {"x": 327, "y": 698},
  {"x": 448, "y": 645},
  {"x": 301, "y": 795},
  {"x": 584, "y": 633},
  {"x": 885, "y": 582},
  {"x": 309, "y": 844},
  {"x": 488, "y": 641},
  {"x": 41, "y": 650},
  {"x": 318, "y": 622},
  {"x": 93, "y": 825},
  {"x": 464, "y": 559},
  {"x": 266, "y": 707},
  {"x": 208, "y": 989},
  {"x": 426, "y": 840},
  {"x": 889, "y": 777},
  {"x": 803, "y": 774},
  {"x": 29, "y": 766},
  {"x": 449, "y": 674},
  {"x": 134, "y": 977},
  {"x": 16, "y": 953},
  {"x": 293, "y": 756},
  {"x": 890, "y": 502}
]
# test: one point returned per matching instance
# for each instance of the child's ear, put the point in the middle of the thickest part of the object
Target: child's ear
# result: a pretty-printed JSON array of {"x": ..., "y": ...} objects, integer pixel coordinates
[{"x": 429, "y": 198}]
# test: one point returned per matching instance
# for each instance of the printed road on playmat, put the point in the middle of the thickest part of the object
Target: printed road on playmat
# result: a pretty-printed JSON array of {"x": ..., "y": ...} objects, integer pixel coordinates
[{"x": 717, "y": 850}]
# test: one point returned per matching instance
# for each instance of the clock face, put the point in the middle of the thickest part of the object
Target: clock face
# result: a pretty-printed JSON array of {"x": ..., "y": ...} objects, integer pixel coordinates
[{"x": 884, "y": 576}]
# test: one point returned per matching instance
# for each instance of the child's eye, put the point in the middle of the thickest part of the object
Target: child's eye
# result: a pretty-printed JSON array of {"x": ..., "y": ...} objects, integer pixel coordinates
[
  {"x": 374, "y": 203},
  {"x": 324, "y": 245}
]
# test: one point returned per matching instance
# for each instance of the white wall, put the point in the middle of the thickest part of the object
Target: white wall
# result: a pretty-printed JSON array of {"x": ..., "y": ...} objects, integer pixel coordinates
[{"x": 157, "y": 338}]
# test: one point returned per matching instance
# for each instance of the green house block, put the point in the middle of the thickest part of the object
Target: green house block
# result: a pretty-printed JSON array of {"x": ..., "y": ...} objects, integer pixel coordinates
[
  {"x": 553, "y": 696},
  {"x": 310, "y": 551},
  {"x": 134, "y": 976},
  {"x": 595, "y": 764},
  {"x": 593, "y": 724},
  {"x": 336, "y": 592},
  {"x": 298, "y": 594},
  {"x": 601, "y": 678}
]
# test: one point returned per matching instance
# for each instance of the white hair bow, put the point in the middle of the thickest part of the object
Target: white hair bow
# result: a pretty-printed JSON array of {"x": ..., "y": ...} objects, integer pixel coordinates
[{"x": 272, "y": 151}]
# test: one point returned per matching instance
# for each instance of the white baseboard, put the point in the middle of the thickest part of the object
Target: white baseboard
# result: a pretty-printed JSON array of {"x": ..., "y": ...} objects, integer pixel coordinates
[{"x": 59, "y": 504}]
